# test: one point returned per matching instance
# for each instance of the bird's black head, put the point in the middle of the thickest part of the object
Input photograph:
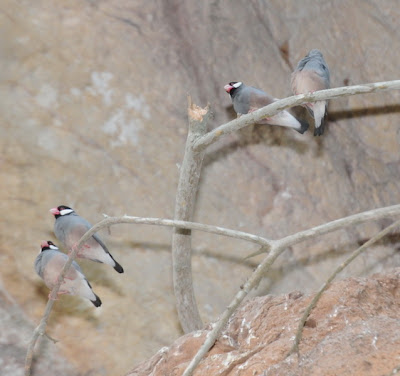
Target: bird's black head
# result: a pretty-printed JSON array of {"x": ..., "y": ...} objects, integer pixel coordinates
[
  {"x": 45, "y": 246},
  {"x": 61, "y": 211},
  {"x": 232, "y": 87}
]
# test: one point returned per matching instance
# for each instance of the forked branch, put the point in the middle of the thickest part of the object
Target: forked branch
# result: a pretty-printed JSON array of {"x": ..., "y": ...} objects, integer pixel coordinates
[
  {"x": 277, "y": 248},
  {"x": 197, "y": 142}
]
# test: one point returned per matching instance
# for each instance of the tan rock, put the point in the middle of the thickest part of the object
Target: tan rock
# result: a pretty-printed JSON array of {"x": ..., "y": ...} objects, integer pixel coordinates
[{"x": 353, "y": 330}]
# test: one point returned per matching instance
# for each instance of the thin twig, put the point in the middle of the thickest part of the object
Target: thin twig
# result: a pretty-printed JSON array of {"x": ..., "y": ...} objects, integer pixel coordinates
[
  {"x": 314, "y": 301},
  {"x": 337, "y": 224},
  {"x": 51, "y": 338},
  {"x": 201, "y": 227},
  {"x": 278, "y": 247},
  {"x": 283, "y": 104},
  {"x": 41, "y": 328}
]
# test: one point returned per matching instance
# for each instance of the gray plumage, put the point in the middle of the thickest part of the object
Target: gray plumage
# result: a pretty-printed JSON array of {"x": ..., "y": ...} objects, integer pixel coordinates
[
  {"x": 48, "y": 265},
  {"x": 312, "y": 74},
  {"x": 246, "y": 99},
  {"x": 69, "y": 227}
]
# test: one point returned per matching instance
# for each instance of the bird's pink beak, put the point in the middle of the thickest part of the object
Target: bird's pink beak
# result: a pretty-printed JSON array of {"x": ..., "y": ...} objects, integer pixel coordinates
[
  {"x": 54, "y": 211},
  {"x": 228, "y": 88},
  {"x": 44, "y": 244}
]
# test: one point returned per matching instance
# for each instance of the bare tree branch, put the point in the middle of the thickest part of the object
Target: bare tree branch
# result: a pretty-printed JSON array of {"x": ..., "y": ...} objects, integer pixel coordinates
[
  {"x": 186, "y": 305},
  {"x": 314, "y": 301},
  {"x": 107, "y": 222},
  {"x": 278, "y": 246},
  {"x": 192, "y": 226},
  {"x": 337, "y": 224},
  {"x": 282, "y": 104},
  {"x": 197, "y": 142}
]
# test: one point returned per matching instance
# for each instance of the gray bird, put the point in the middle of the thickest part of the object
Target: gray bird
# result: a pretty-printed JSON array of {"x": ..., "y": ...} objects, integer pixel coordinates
[
  {"x": 246, "y": 99},
  {"x": 48, "y": 265},
  {"x": 69, "y": 227},
  {"x": 312, "y": 74}
]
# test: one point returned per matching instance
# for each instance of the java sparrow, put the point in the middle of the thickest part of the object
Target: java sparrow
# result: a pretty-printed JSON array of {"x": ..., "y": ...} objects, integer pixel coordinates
[
  {"x": 48, "y": 265},
  {"x": 69, "y": 227},
  {"x": 246, "y": 99},
  {"x": 312, "y": 74}
]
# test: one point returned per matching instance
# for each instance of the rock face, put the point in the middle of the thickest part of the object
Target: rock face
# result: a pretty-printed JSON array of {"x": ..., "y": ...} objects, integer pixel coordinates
[
  {"x": 15, "y": 333},
  {"x": 93, "y": 116},
  {"x": 353, "y": 330}
]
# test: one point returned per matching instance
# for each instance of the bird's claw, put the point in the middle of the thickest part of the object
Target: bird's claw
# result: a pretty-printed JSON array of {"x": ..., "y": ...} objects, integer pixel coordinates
[
  {"x": 79, "y": 253},
  {"x": 50, "y": 298}
]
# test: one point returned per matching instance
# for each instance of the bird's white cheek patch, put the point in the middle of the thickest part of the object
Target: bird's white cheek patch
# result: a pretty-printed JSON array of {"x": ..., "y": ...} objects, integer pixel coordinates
[{"x": 66, "y": 211}]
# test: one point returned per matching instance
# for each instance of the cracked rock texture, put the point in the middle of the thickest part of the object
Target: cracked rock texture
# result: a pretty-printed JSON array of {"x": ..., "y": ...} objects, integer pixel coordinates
[
  {"x": 353, "y": 330},
  {"x": 93, "y": 101}
]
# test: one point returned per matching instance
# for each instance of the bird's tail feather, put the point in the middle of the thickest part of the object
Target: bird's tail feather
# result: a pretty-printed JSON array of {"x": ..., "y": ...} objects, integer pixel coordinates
[
  {"x": 319, "y": 115},
  {"x": 285, "y": 119},
  {"x": 304, "y": 126},
  {"x": 118, "y": 267},
  {"x": 108, "y": 259},
  {"x": 97, "y": 302}
]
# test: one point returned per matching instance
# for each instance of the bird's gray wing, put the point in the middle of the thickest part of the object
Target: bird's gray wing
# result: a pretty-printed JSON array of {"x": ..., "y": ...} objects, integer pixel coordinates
[
  {"x": 258, "y": 99},
  {"x": 97, "y": 238}
]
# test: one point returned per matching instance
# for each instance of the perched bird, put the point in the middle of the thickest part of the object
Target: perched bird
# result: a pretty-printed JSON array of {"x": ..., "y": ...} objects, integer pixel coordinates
[
  {"x": 246, "y": 99},
  {"x": 48, "y": 265},
  {"x": 70, "y": 227},
  {"x": 312, "y": 74}
]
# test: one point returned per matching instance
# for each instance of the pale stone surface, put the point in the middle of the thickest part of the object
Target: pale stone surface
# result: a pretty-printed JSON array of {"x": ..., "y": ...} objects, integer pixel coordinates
[{"x": 93, "y": 103}]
